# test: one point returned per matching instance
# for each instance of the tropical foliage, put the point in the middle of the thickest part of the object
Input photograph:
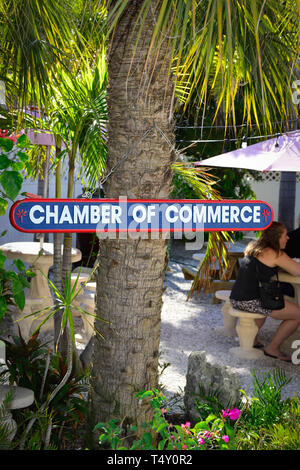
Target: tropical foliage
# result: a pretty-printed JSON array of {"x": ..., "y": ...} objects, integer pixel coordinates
[
  {"x": 13, "y": 160},
  {"x": 264, "y": 421},
  {"x": 52, "y": 420}
]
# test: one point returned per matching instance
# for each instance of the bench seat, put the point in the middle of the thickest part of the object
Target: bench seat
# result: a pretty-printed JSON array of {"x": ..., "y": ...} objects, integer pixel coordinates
[
  {"x": 247, "y": 331},
  {"x": 229, "y": 328}
]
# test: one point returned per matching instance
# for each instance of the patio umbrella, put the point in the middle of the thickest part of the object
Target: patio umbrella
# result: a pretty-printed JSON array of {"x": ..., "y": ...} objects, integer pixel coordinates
[{"x": 281, "y": 153}]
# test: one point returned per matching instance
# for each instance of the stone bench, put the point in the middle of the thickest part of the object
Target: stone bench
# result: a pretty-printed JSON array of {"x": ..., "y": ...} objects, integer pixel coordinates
[
  {"x": 229, "y": 328},
  {"x": 247, "y": 331}
]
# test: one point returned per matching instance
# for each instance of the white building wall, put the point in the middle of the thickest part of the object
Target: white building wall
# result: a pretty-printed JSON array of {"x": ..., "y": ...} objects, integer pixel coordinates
[
  {"x": 31, "y": 186},
  {"x": 268, "y": 190}
]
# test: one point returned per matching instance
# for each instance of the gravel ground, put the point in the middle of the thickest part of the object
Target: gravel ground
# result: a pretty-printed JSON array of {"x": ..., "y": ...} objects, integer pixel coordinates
[{"x": 192, "y": 325}]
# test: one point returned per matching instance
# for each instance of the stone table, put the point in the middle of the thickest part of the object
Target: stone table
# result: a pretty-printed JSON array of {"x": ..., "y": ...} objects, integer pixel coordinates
[{"x": 39, "y": 295}]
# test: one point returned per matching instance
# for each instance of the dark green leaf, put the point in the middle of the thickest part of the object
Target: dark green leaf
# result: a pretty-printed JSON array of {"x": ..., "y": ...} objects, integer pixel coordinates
[
  {"x": 23, "y": 141},
  {"x": 11, "y": 182},
  {"x": 10, "y": 275},
  {"x": 20, "y": 265},
  {"x": 147, "y": 438},
  {"x": 2, "y": 260},
  {"x": 17, "y": 166},
  {"x": 6, "y": 144},
  {"x": 18, "y": 293},
  {"x": 5, "y": 162},
  {"x": 3, "y": 307},
  {"x": 24, "y": 281},
  {"x": 22, "y": 156}
]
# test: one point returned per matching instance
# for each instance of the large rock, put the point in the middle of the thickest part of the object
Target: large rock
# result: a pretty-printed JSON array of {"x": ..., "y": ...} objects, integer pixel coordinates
[{"x": 205, "y": 374}]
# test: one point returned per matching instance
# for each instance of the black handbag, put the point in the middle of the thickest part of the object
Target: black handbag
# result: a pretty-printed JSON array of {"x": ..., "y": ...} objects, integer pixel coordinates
[{"x": 271, "y": 295}]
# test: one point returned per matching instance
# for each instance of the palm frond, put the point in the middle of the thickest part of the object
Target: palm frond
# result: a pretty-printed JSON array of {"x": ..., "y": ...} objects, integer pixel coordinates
[
  {"x": 217, "y": 250},
  {"x": 223, "y": 51},
  {"x": 36, "y": 37}
]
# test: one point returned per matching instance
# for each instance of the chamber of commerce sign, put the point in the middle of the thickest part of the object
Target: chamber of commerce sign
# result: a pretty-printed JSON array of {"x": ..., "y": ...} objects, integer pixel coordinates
[{"x": 138, "y": 215}]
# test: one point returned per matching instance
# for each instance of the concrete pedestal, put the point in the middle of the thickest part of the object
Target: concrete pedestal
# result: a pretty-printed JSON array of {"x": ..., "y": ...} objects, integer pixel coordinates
[{"x": 21, "y": 398}]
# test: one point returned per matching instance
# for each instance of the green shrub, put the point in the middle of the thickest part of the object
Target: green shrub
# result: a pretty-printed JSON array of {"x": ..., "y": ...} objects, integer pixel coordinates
[
  {"x": 32, "y": 365},
  {"x": 215, "y": 432},
  {"x": 262, "y": 422}
]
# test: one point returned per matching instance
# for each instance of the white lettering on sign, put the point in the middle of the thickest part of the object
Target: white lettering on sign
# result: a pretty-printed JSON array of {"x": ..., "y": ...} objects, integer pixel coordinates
[
  {"x": 81, "y": 214},
  {"x": 144, "y": 214},
  {"x": 88, "y": 214},
  {"x": 33, "y": 218}
]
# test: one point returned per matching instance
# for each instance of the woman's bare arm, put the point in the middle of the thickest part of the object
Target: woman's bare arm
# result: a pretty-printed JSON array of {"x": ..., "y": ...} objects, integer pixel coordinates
[{"x": 287, "y": 264}]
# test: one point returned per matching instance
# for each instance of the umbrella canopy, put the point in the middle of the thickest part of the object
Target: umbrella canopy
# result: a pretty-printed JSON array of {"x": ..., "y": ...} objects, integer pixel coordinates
[{"x": 279, "y": 154}]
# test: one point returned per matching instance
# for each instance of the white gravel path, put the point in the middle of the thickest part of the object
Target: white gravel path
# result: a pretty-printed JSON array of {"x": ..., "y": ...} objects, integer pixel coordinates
[{"x": 189, "y": 326}]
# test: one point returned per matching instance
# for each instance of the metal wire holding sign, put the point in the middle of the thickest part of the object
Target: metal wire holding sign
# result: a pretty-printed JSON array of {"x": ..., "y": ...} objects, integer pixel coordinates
[
  {"x": 126, "y": 155},
  {"x": 89, "y": 194}
]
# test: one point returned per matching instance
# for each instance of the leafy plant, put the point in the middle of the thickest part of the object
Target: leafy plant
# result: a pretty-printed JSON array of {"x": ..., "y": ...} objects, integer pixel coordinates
[
  {"x": 263, "y": 421},
  {"x": 13, "y": 160},
  {"x": 214, "y": 432},
  {"x": 65, "y": 304},
  {"x": 32, "y": 365},
  {"x": 5, "y": 430},
  {"x": 12, "y": 284}
]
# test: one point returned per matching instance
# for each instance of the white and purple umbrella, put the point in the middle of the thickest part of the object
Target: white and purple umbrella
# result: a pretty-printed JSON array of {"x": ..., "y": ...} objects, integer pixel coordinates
[{"x": 279, "y": 154}]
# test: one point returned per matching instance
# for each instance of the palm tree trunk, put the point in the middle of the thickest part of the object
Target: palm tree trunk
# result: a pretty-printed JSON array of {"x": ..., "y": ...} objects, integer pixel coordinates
[
  {"x": 131, "y": 272},
  {"x": 43, "y": 190},
  {"x": 67, "y": 254},
  {"x": 57, "y": 258},
  {"x": 67, "y": 257}
]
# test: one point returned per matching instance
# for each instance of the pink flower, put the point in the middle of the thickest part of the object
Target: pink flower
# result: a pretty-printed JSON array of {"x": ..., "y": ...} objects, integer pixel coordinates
[
  {"x": 184, "y": 446},
  {"x": 186, "y": 425},
  {"x": 201, "y": 441},
  {"x": 207, "y": 434},
  {"x": 225, "y": 438},
  {"x": 234, "y": 414},
  {"x": 163, "y": 410}
]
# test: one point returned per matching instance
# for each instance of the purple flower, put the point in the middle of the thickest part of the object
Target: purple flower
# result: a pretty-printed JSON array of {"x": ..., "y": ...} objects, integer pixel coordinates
[{"x": 225, "y": 438}]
